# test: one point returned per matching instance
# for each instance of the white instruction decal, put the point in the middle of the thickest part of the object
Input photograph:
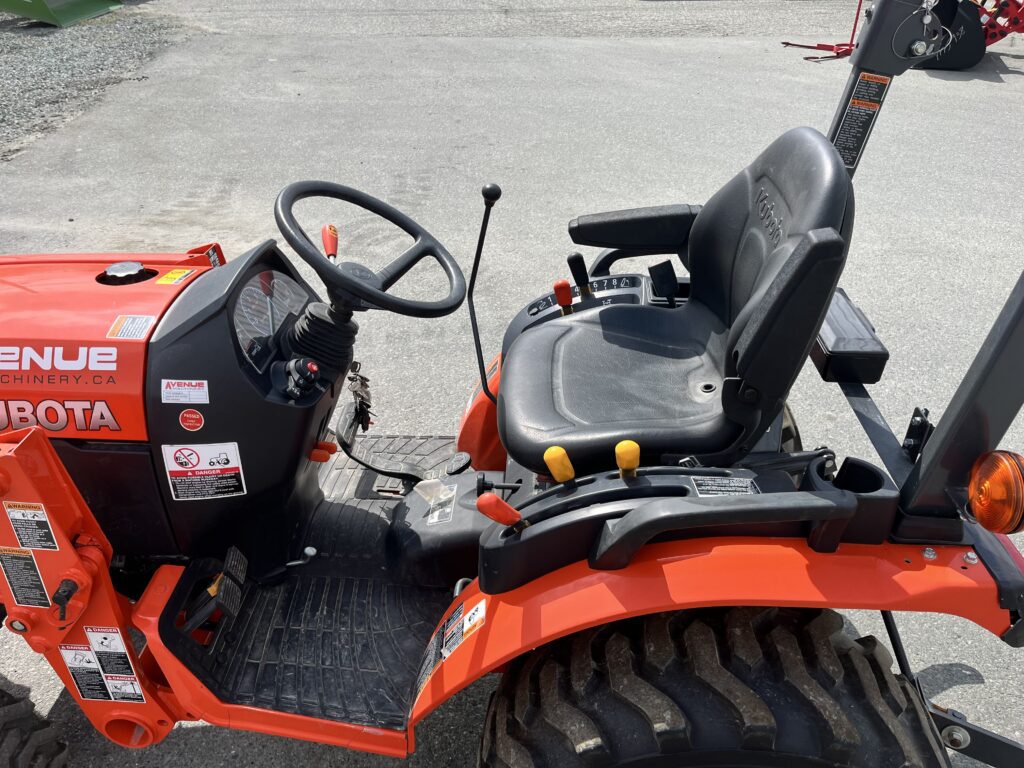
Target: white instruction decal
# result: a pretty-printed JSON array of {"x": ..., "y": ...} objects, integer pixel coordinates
[
  {"x": 31, "y": 525},
  {"x": 85, "y": 671},
  {"x": 22, "y": 575},
  {"x": 131, "y": 327},
  {"x": 474, "y": 619},
  {"x": 203, "y": 471},
  {"x": 185, "y": 391},
  {"x": 443, "y": 506},
  {"x": 107, "y": 646}
]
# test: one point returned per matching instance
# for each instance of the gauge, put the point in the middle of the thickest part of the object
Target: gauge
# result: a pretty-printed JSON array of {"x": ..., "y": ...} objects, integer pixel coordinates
[
  {"x": 255, "y": 307},
  {"x": 263, "y": 305}
]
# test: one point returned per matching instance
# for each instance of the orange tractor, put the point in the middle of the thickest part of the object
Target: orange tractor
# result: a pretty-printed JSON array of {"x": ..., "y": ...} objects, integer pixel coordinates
[{"x": 198, "y": 524}]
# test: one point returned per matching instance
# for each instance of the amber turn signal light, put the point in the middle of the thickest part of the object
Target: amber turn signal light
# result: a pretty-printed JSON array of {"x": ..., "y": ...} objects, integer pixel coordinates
[{"x": 997, "y": 491}]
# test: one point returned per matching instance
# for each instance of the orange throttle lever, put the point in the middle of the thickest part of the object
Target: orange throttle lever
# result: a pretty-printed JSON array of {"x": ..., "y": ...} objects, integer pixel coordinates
[
  {"x": 563, "y": 295},
  {"x": 492, "y": 506},
  {"x": 329, "y": 234}
]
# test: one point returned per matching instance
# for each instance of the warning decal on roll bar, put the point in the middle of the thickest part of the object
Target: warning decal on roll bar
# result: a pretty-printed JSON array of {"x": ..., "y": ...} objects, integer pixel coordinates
[
  {"x": 22, "y": 574},
  {"x": 102, "y": 670},
  {"x": 31, "y": 525},
  {"x": 861, "y": 111}
]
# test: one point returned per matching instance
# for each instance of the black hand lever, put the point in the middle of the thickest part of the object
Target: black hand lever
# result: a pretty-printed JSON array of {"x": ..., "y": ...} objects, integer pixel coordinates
[
  {"x": 65, "y": 591},
  {"x": 578, "y": 268},
  {"x": 666, "y": 283},
  {"x": 491, "y": 194}
]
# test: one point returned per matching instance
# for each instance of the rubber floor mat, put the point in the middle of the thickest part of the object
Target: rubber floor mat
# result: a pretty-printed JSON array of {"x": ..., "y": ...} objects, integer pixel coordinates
[
  {"x": 340, "y": 648},
  {"x": 338, "y": 639}
]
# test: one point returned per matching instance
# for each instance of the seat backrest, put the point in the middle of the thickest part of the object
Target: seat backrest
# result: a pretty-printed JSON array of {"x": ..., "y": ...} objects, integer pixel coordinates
[{"x": 765, "y": 255}]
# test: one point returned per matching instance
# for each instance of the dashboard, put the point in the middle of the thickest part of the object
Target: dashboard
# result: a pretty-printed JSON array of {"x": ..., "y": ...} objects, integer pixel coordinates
[{"x": 262, "y": 306}]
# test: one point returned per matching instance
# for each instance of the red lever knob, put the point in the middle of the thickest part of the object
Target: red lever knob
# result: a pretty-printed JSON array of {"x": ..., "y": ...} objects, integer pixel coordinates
[
  {"x": 329, "y": 234},
  {"x": 563, "y": 293},
  {"x": 497, "y": 509}
]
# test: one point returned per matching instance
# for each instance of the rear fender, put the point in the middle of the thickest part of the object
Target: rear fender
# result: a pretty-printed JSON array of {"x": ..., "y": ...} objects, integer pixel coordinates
[
  {"x": 478, "y": 430},
  {"x": 481, "y": 632}
]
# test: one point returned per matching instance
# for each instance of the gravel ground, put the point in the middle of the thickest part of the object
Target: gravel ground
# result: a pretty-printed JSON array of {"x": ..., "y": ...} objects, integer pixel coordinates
[{"x": 52, "y": 75}]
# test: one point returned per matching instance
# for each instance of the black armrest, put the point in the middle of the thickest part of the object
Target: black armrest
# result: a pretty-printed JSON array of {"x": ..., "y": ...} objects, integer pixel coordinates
[
  {"x": 658, "y": 229},
  {"x": 847, "y": 348}
]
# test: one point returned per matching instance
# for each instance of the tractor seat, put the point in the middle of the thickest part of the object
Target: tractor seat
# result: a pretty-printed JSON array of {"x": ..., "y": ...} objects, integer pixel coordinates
[{"x": 705, "y": 379}]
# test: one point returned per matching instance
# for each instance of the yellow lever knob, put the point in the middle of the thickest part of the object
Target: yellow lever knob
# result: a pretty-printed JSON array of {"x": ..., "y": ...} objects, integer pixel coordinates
[
  {"x": 627, "y": 457},
  {"x": 558, "y": 464}
]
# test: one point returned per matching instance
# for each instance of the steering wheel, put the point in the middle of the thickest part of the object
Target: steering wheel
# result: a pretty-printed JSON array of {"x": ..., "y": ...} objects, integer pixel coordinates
[{"x": 354, "y": 279}]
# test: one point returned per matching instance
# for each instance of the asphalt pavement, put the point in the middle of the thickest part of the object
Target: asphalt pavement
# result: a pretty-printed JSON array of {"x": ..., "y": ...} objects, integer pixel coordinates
[{"x": 572, "y": 107}]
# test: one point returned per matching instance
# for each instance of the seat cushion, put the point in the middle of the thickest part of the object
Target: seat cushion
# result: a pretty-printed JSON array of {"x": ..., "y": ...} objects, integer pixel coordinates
[{"x": 612, "y": 373}]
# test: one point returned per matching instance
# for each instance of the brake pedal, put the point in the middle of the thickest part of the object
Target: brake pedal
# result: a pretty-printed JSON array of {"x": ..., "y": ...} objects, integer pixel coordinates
[{"x": 224, "y": 593}]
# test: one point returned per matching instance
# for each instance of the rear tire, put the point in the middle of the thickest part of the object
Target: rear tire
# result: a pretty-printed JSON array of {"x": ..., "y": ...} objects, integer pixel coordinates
[
  {"x": 26, "y": 739},
  {"x": 791, "y": 442},
  {"x": 721, "y": 687}
]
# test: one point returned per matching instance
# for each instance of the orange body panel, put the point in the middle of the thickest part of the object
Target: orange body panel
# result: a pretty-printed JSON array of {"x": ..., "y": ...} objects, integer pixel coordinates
[
  {"x": 72, "y": 350},
  {"x": 478, "y": 430},
  {"x": 703, "y": 573},
  {"x": 54, "y": 540}
]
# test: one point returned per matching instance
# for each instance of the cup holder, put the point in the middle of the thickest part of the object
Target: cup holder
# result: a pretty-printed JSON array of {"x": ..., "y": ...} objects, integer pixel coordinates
[{"x": 877, "y": 497}]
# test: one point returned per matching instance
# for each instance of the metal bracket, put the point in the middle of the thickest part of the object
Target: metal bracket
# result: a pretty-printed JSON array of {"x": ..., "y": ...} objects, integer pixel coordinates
[
  {"x": 918, "y": 432},
  {"x": 961, "y": 735},
  {"x": 956, "y": 731}
]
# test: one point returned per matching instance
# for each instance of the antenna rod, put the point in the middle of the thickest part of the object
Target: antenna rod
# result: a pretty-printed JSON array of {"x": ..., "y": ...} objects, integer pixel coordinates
[{"x": 491, "y": 193}]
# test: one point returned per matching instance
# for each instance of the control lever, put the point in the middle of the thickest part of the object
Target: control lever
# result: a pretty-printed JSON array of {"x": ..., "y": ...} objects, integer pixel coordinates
[
  {"x": 578, "y": 268},
  {"x": 65, "y": 591},
  {"x": 307, "y": 555},
  {"x": 666, "y": 283},
  {"x": 491, "y": 194},
  {"x": 563, "y": 295},
  {"x": 483, "y": 485},
  {"x": 329, "y": 234},
  {"x": 277, "y": 573}
]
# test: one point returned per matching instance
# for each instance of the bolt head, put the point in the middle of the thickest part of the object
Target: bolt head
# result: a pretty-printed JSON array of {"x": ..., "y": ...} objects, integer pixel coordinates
[
  {"x": 955, "y": 737},
  {"x": 929, "y": 553},
  {"x": 919, "y": 48},
  {"x": 17, "y": 626},
  {"x": 971, "y": 558}
]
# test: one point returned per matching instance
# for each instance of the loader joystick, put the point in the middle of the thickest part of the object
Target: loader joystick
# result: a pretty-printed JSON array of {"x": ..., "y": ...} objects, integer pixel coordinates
[{"x": 353, "y": 284}]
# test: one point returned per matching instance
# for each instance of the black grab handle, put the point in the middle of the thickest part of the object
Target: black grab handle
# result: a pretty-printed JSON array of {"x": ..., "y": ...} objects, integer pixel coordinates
[{"x": 622, "y": 538}]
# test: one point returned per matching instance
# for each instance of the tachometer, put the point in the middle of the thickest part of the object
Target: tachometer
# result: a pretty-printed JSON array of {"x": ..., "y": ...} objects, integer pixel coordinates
[
  {"x": 263, "y": 304},
  {"x": 255, "y": 308}
]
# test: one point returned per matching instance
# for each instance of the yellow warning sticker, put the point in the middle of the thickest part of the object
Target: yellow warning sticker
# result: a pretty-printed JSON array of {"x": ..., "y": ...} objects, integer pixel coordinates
[{"x": 174, "y": 277}]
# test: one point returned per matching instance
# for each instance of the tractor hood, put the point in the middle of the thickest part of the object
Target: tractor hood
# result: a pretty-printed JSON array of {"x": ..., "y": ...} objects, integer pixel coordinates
[{"x": 74, "y": 333}]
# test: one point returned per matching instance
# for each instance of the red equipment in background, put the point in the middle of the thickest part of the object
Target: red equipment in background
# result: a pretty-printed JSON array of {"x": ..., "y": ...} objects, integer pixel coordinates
[
  {"x": 838, "y": 50},
  {"x": 1001, "y": 18},
  {"x": 998, "y": 18}
]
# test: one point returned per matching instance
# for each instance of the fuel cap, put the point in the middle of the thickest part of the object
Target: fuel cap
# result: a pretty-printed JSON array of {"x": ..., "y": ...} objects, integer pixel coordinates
[{"x": 125, "y": 273}]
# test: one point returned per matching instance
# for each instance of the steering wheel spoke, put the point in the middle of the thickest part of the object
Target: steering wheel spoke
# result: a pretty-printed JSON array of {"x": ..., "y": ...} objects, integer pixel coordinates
[
  {"x": 397, "y": 269},
  {"x": 350, "y": 278}
]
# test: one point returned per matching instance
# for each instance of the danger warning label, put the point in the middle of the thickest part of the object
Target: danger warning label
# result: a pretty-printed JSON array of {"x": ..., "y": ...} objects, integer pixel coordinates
[
  {"x": 85, "y": 671},
  {"x": 102, "y": 670},
  {"x": 31, "y": 525},
  {"x": 861, "y": 111},
  {"x": 203, "y": 471},
  {"x": 22, "y": 575}
]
